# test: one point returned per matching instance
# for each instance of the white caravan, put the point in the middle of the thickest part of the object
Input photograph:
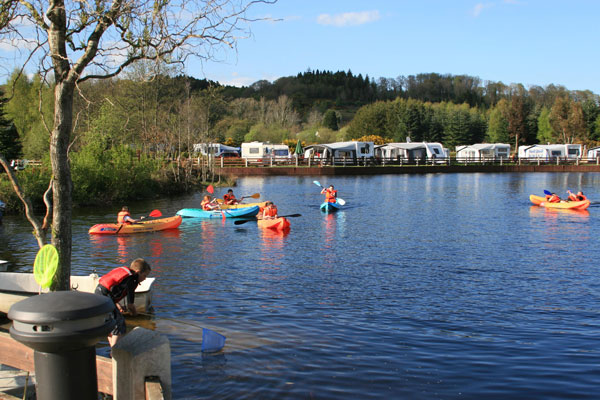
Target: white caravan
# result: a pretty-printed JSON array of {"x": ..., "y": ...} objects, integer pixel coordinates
[
  {"x": 412, "y": 151},
  {"x": 483, "y": 152},
  {"x": 548, "y": 152},
  {"x": 216, "y": 150},
  {"x": 341, "y": 152},
  {"x": 260, "y": 151}
]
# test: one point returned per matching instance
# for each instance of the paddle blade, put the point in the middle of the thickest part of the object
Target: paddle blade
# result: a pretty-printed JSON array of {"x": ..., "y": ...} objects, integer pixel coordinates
[
  {"x": 342, "y": 202},
  {"x": 155, "y": 213},
  {"x": 317, "y": 183},
  {"x": 45, "y": 265},
  {"x": 549, "y": 193},
  {"x": 211, "y": 341},
  {"x": 210, "y": 189},
  {"x": 241, "y": 221},
  {"x": 254, "y": 196}
]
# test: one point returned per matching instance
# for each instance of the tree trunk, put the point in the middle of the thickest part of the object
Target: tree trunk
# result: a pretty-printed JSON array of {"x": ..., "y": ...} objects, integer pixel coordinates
[{"x": 62, "y": 186}]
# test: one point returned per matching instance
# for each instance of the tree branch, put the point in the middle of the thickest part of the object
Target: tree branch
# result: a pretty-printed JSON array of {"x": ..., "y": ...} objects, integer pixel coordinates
[{"x": 39, "y": 230}]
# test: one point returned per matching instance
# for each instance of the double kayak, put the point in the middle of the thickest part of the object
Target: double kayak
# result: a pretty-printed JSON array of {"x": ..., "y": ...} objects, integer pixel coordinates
[
  {"x": 330, "y": 207},
  {"x": 160, "y": 224},
  {"x": 231, "y": 213},
  {"x": 564, "y": 205},
  {"x": 279, "y": 224}
]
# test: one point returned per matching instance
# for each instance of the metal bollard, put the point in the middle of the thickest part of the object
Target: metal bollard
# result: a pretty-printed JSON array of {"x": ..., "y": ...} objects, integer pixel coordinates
[{"x": 62, "y": 328}]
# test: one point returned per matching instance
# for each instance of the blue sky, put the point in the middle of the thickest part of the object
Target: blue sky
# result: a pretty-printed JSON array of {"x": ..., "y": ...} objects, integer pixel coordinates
[{"x": 533, "y": 42}]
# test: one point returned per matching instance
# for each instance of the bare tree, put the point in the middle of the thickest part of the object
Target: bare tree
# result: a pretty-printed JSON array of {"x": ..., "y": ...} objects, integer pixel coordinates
[{"x": 66, "y": 38}]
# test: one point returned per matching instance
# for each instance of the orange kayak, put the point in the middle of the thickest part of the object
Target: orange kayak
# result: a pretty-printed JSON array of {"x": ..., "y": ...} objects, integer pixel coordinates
[
  {"x": 565, "y": 205},
  {"x": 277, "y": 223},
  {"x": 142, "y": 226}
]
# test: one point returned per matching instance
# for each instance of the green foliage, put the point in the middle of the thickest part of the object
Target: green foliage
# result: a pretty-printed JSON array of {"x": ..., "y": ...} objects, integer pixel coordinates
[
  {"x": 33, "y": 181},
  {"x": 263, "y": 133},
  {"x": 10, "y": 143},
  {"x": 498, "y": 124},
  {"x": 103, "y": 175},
  {"x": 545, "y": 132},
  {"x": 330, "y": 120},
  {"x": 23, "y": 110}
]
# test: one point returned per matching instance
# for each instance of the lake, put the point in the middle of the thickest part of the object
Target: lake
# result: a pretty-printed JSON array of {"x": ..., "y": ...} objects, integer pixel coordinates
[{"x": 435, "y": 286}]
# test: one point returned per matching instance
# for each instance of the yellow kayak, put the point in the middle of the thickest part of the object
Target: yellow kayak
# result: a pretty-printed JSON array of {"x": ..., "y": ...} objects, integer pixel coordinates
[
  {"x": 241, "y": 205},
  {"x": 566, "y": 205}
]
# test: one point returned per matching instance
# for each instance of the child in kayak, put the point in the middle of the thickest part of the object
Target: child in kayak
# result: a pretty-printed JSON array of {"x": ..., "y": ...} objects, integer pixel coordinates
[
  {"x": 229, "y": 198},
  {"x": 209, "y": 204},
  {"x": 270, "y": 211},
  {"x": 330, "y": 194},
  {"x": 124, "y": 217}
]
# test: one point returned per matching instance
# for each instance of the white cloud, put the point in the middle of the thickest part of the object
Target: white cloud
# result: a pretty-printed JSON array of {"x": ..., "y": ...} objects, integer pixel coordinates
[
  {"x": 349, "y": 19},
  {"x": 479, "y": 7}
]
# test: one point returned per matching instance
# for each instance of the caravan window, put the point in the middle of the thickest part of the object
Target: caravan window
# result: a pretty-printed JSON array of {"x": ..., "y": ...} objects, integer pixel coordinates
[
  {"x": 365, "y": 149},
  {"x": 253, "y": 150},
  {"x": 556, "y": 153},
  {"x": 281, "y": 153},
  {"x": 573, "y": 152},
  {"x": 436, "y": 150}
]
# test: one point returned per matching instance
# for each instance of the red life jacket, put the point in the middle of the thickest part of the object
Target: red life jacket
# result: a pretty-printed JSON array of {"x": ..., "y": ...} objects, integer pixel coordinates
[
  {"x": 121, "y": 217},
  {"x": 114, "y": 277},
  {"x": 229, "y": 198}
]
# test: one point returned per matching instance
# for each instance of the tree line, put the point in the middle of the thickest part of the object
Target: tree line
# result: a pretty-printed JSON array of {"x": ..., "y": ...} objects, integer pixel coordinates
[{"x": 168, "y": 112}]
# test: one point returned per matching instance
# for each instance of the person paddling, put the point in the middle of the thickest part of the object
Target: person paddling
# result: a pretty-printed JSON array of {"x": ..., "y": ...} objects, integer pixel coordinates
[
  {"x": 270, "y": 211},
  {"x": 229, "y": 198},
  {"x": 576, "y": 197},
  {"x": 330, "y": 194},
  {"x": 124, "y": 217},
  {"x": 118, "y": 284},
  {"x": 209, "y": 204},
  {"x": 552, "y": 198}
]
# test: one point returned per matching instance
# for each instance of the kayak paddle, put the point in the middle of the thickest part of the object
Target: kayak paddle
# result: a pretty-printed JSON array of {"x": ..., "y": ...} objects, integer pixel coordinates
[
  {"x": 45, "y": 265},
  {"x": 243, "y": 221},
  {"x": 549, "y": 193},
  {"x": 341, "y": 201},
  {"x": 153, "y": 214},
  {"x": 254, "y": 196}
]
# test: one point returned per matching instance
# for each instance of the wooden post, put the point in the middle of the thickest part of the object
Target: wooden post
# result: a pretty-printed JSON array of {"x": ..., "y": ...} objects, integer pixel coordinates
[{"x": 136, "y": 356}]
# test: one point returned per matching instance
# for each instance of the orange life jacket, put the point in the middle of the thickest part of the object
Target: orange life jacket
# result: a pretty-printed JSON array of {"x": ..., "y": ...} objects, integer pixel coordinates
[
  {"x": 206, "y": 205},
  {"x": 330, "y": 195},
  {"x": 270, "y": 211},
  {"x": 121, "y": 217},
  {"x": 554, "y": 199}
]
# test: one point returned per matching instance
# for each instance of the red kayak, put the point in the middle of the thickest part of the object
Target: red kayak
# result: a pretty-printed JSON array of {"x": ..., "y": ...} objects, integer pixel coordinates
[{"x": 280, "y": 223}]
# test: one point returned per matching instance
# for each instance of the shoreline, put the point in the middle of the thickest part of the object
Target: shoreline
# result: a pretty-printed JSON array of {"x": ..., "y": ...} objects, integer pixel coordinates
[{"x": 380, "y": 170}]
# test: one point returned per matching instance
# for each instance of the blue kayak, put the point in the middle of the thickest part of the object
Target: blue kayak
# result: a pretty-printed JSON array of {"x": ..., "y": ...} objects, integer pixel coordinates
[
  {"x": 231, "y": 213},
  {"x": 330, "y": 207}
]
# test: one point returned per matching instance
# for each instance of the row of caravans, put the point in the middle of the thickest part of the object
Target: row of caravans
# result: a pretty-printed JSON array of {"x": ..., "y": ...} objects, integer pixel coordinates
[{"x": 355, "y": 152}]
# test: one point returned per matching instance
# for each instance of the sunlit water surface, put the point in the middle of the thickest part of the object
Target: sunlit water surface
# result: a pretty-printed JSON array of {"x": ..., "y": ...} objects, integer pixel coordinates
[{"x": 422, "y": 287}]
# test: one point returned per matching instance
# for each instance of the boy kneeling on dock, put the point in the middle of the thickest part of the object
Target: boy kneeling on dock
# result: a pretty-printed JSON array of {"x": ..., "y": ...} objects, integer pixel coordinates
[{"x": 117, "y": 284}]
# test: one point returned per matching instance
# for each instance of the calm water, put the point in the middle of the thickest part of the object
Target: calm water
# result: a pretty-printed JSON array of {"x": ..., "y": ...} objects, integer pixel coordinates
[{"x": 423, "y": 287}]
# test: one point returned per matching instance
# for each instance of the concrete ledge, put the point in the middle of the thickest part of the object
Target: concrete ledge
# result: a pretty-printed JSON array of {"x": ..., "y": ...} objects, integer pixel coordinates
[
  {"x": 13, "y": 382},
  {"x": 140, "y": 354}
]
